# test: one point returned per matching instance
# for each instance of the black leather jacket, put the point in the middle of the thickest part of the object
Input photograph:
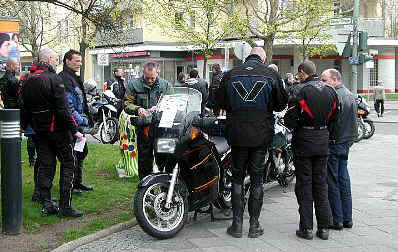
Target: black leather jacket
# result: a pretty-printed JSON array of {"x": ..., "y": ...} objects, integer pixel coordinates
[
  {"x": 10, "y": 90},
  {"x": 313, "y": 115},
  {"x": 45, "y": 106},
  {"x": 346, "y": 128},
  {"x": 250, "y": 93},
  {"x": 71, "y": 80}
]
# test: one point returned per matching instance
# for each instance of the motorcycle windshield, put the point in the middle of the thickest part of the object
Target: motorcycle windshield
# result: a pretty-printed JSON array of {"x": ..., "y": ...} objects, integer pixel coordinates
[{"x": 176, "y": 109}]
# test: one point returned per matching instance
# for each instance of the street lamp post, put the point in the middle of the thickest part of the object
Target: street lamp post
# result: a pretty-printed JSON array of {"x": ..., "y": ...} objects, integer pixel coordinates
[{"x": 355, "y": 47}]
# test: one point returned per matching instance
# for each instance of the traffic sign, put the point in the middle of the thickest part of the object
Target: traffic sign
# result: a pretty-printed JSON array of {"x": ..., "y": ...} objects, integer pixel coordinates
[
  {"x": 103, "y": 59},
  {"x": 242, "y": 50},
  {"x": 341, "y": 21}
]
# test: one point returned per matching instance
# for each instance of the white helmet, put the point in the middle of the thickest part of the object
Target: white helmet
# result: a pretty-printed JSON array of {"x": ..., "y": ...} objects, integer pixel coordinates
[{"x": 90, "y": 86}]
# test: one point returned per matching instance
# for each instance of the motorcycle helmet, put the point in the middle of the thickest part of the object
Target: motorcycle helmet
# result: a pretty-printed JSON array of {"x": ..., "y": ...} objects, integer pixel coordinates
[{"x": 90, "y": 86}]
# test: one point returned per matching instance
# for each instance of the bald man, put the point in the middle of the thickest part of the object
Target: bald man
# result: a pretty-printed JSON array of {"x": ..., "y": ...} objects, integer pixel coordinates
[
  {"x": 10, "y": 86},
  {"x": 250, "y": 93},
  {"x": 45, "y": 108}
]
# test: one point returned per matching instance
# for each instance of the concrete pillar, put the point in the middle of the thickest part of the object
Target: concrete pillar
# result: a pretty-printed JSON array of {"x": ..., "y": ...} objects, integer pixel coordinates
[
  {"x": 346, "y": 72},
  {"x": 396, "y": 70},
  {"x": 297, "y": 59},
  {"x": 386, "y": 68}
]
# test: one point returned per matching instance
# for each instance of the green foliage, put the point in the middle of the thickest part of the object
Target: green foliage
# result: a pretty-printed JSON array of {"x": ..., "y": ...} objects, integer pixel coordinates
[{"x": 202, "y": 23}]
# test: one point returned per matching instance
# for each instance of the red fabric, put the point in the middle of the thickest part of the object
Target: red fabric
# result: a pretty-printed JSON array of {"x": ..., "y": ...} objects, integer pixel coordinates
[
  {"x": 52, "y": 124},
  {"x": 305, "y": 107},
  {"x": 334, "y": 106}
]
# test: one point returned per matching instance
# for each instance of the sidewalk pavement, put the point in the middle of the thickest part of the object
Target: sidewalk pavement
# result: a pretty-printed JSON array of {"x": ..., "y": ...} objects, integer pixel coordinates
[{"x": 374, "y": 179}]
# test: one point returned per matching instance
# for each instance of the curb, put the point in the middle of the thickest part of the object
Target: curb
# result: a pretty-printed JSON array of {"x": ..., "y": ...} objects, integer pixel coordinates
[
  {"x": 385, "y": 122},
  {"x": 96, "y": 236}
]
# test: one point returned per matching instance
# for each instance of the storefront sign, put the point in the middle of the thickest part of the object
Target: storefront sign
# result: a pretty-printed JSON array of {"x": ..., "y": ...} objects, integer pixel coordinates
[
  {"x": 103, "y": 59},
  {"x": 131, "y": 54}
]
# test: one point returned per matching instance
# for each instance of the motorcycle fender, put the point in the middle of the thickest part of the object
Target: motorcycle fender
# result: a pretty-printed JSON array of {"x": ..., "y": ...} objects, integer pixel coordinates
[
  {"x": 111, "y": 108},
  {"x": 155, "y": 178}
]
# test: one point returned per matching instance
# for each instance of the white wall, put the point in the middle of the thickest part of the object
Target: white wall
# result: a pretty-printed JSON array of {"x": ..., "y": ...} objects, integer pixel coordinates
[{"x": 386, "y": 68}]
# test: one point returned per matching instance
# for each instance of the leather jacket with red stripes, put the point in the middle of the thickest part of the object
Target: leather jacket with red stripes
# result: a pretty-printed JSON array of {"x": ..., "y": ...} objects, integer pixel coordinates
[{"x": 45, "y": 106}]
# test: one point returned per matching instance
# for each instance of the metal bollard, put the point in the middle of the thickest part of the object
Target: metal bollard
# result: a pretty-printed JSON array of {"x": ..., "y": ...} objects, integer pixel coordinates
[{"x": 11, "y": 172}]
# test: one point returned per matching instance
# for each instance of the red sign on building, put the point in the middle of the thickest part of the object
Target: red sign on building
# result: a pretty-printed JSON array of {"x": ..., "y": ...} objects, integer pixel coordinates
[{"x": 130, "y": 54}]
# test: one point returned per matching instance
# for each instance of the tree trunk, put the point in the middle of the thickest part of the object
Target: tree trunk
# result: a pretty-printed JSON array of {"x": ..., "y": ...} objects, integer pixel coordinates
[
  {"x": 83, "y": 46},
  {"x": 204, "y": 67},
  {"x": 268, "y": 47}
]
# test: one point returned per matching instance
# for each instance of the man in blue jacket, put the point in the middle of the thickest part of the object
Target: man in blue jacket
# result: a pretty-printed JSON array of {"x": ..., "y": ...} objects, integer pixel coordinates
[{"x": 78, "y": 105}]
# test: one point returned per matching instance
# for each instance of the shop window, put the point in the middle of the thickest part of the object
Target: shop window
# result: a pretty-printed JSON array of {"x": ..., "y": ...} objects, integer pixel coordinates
[{"x": 373, "y": 74}]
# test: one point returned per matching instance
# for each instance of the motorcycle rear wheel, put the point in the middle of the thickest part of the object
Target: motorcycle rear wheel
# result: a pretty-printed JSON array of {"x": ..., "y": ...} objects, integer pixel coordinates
[
  {"x": 153, "y": 217},
  {"x": 223, "y": 200},
  {"x": 111, "y": 135},
  {"x": 361, "y": 131},
  {"x": 369, "y": 129}
]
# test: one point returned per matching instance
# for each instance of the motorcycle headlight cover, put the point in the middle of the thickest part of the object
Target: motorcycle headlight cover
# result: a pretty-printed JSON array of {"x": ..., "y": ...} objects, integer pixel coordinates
[{"x": 166, "y": 145}]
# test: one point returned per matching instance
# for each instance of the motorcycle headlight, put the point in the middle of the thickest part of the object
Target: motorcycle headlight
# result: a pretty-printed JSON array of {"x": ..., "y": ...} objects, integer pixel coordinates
[{"x": 166, "y": 145}]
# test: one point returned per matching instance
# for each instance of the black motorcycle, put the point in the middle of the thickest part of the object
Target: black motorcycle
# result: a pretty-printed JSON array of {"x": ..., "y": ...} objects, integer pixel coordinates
[
  {"x": 366, "y": 127},
  {"x": 193, "y": 169},
  {"x": 280, "y": 166}
]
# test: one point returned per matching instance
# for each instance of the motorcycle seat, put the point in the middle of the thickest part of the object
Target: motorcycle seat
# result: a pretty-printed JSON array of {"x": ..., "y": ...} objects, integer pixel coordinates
[{"x": 221, "y": 144}]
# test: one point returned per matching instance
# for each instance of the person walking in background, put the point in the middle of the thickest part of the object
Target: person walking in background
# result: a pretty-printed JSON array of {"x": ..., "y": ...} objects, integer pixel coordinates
[
  {"x": 379, "y": 97},
  {"x": 339, "y": 185},
  {"x": 77, "y": 101},
  {"x": 311, "y": 115},
  {"x": 117, "y": 86},
  {"x": 250, "y": 93},
  {"x": 45, "y": 108},
  {"x": 180, "y": 80}
]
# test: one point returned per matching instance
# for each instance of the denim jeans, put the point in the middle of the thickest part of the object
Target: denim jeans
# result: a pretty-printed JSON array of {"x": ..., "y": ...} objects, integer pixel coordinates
[{"x": 339, "y": 185}]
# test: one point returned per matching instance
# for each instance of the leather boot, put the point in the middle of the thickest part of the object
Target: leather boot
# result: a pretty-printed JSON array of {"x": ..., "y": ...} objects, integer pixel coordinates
[
  {"x": 254, "y": 205},
  {"x": 237, "y": 199},
  {"x": 65, "y": 209},
  {"x": 49, "y": 208},
  {"x": 36, "y": 195}
]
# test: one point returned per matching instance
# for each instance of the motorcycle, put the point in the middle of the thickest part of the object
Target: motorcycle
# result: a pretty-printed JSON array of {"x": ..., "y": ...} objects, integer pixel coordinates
[
  {"x": 366, "y": 127},
  {"x": 279, "y": 165},
  {"x": 104, "y": 115},
  {"x": 194, "y": 167}
]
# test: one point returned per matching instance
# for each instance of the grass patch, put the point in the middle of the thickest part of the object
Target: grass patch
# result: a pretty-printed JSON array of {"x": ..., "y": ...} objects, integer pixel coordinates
[{"x": 111, "y": 194}]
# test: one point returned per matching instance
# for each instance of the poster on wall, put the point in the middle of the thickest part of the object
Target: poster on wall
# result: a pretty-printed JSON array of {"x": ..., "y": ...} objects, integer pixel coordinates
[{"x": 9, "y": 42}]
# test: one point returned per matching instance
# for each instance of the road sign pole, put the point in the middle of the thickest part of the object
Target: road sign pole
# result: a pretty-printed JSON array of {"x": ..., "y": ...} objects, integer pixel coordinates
[{"x": 355, "y": 47}]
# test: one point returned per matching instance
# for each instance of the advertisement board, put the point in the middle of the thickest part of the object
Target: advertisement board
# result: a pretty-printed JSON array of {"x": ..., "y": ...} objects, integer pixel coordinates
[{"x": 9, "y": 41}]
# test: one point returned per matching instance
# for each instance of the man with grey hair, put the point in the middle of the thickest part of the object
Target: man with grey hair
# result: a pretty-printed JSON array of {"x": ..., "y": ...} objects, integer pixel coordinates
[
  {"x": 339, "y": 185},
  {"x": 45, "y": 109},
  {"x": 250, "y": 93},
  {"x": 142, "y": 95}
]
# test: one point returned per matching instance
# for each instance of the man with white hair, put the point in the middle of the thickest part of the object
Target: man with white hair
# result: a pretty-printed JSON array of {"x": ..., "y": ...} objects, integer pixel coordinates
[{"x": 45, "y": 108}]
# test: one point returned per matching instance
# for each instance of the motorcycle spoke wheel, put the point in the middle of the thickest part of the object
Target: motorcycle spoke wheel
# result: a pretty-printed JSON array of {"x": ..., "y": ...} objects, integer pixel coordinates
[{"x": 159, "y": 217}]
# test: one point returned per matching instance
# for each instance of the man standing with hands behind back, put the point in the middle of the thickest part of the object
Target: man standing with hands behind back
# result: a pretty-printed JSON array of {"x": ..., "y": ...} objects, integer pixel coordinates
[
  {"x": 250, "y": 93},
  {"x": 339, "y": 189}
]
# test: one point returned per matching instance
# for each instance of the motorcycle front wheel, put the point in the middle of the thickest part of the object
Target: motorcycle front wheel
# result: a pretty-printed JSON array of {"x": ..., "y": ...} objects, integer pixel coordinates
[
  {"x": 111, "y": 134},
  {"x": 369, "y": 128},
  {"x": 152, "y": 215}
]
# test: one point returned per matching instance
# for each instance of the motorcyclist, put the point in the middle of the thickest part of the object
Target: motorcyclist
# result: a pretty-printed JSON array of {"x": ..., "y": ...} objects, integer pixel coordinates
[
  {"x": 45, "y": 108},
  {"x": 9, "y": 85},
  {"x": 142, "y": 95},
  {"x": 250, "y": 93},
  {"x": 312, "y": 114}
]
